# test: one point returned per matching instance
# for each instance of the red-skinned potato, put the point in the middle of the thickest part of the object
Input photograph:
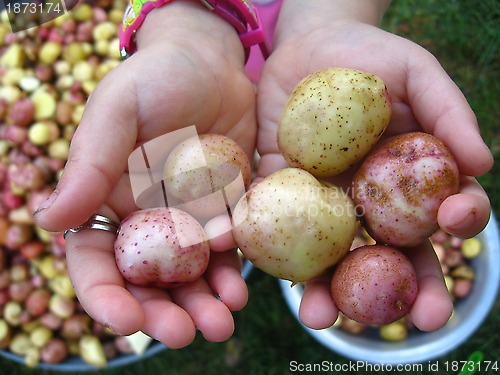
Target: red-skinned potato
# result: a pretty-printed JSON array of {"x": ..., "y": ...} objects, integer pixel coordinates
[
  {"x": 163, "y": 247},
  {"x": 374, "y": 284},
  {"x": 399, "y": 187}
]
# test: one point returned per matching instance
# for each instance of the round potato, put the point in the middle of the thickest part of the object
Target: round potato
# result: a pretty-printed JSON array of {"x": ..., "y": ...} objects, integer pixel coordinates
[
  {"x": 292, "y": 226},
  {"x": 399, "y": 187},
  {"x": 205, "y": 174},
  {"x": 374, "y": 284},
  {"x": 162, "y": 247},
  {"x": 332, "y": 119}
]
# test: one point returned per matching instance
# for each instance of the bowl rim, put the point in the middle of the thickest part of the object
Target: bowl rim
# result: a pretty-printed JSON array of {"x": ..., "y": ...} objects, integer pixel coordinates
[{"x": 431, "y": 344}]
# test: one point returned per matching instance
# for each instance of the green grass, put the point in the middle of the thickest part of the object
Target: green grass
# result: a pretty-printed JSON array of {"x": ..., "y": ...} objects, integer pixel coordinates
[{"x": 464, "y": 36}]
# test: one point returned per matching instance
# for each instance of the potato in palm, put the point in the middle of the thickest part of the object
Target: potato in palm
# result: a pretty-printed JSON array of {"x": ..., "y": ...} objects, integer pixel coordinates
[
  {"x": 294, "y": 227},
  {"x": 332, "y": 119}
]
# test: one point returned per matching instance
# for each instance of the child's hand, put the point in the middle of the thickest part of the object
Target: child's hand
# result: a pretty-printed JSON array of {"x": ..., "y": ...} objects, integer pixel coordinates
[
  {"x": 424, "y": 98},
  {"x": 188, "y": 71}
]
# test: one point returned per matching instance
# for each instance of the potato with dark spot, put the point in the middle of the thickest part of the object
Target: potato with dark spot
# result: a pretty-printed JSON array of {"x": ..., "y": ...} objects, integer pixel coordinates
[
  {"x": 294, "y": 227},
  {"x": 332, "y": 119},
  {"x": 162, "y": 247},
  {"x": 374, "y": 284},
  {"x": 399, "y": 187}
]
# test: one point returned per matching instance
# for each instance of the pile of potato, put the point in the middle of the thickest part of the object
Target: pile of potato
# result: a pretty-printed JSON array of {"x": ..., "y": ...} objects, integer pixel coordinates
[{"x": 46, "y": 75}]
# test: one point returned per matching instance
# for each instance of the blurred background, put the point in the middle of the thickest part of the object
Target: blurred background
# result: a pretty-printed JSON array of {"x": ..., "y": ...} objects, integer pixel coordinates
[{"x": 464, "y": 36}]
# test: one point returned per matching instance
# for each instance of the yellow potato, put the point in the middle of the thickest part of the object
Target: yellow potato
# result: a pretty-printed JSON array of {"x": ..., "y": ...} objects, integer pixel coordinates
[
  {"x": 292, "y": 226},
  {"x": 332, "y": 119}
]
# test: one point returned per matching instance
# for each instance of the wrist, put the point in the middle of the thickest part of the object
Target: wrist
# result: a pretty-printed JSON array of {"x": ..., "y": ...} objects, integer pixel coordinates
[
  {"x": 188, "y": 23},
  {"x": 298, "y": 18}
]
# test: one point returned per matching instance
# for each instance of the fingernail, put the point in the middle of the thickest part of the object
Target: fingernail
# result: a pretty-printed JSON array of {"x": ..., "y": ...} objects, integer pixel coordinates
[
  {"x": 465, "y": 222},
  {"x": 108, "y": 327},
  {"x": 47, "y": 202}
]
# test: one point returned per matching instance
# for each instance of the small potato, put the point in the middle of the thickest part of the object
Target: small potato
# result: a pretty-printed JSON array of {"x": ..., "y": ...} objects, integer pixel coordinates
[
  {"x": 161, "y": 247},
  {"x": 332, "y": 119},
  {"x": 462, "y": 288},
  {"x": 471, "y": 247},
  {"x": 205, "y": 174},
  {"x": 374, "y": 284},
  {"x": 399, "y": 187},
  {"x": 351, "y": 326},
  {"x": 395, "y": 331},
  {"x": 55, "y": 351},
  {"x": 292, "y": 226}
]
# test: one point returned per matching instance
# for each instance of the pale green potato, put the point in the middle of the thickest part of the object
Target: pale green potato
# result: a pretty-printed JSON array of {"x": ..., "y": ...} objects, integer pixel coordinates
[
  {"x": 332, "y": 119},
  {"x": 292, "y": 226}
]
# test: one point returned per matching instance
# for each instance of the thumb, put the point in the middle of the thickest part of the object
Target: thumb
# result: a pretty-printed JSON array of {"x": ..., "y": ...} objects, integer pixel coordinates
[{"x": 98, "y": 155}]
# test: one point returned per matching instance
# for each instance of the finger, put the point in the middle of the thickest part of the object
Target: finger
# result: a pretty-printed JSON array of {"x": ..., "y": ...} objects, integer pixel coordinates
[
  {"x": 465, "y": 214},
  {"x": 98, "y": 284},
  {"x": 219, "y": 232},
  {"x": 317, "y": 309},
  {"x": 98, "y": 155},
  {"x": 210, "y": 316},
  {"x": 433, "y": 305},
  {"x": 121, "y": 199},
  {"x": 442, "y": 110},
  {"x": 164, "y": 320},
  {"x": 270, "y": 163},
  {"x": 225, "y": 279}
]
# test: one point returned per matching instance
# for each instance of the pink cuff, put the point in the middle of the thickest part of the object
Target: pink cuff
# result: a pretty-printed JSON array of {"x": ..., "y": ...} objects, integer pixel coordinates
[
  {"x": 241, "y": 14},
  {"x": 268, "y": 15}
]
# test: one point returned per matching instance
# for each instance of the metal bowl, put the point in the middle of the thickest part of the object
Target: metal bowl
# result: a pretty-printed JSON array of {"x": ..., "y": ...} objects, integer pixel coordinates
[
  {"x": 76, "y": 364},
  {"x": 419, "y": 347}
]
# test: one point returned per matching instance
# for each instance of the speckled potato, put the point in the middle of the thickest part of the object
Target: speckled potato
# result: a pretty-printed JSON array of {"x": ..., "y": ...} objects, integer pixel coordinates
[
  {"x": 399, "y": 187},
  {"x": 201, "y": 166},
  {"x": 162, "y": 247},
  {"x": 292, "y": 226},
  {"x": 374, "y": 284},
  {"x": 332, "y": 119}
]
